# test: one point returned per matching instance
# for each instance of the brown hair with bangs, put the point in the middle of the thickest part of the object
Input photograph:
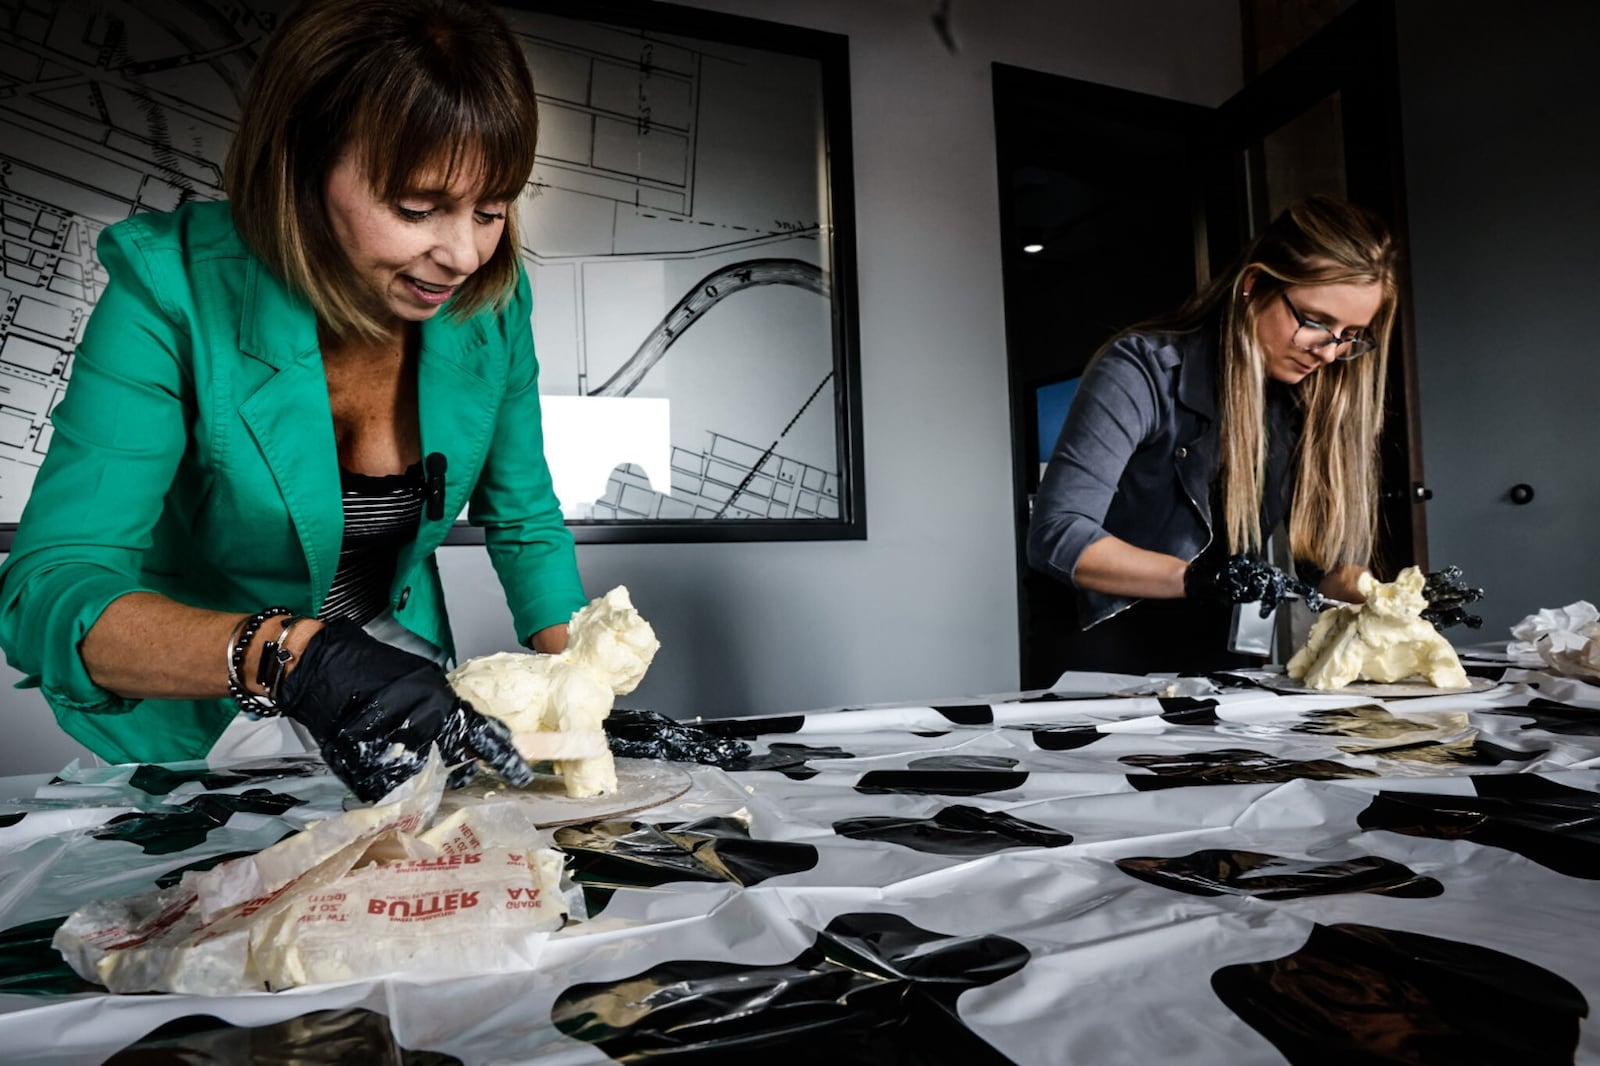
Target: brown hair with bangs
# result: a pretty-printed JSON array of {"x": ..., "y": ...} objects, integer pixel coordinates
[{"x": 409, "y": 86}]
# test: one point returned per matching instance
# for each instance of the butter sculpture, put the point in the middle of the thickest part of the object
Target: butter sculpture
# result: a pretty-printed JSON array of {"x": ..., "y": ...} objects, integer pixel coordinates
[
  {"x": 556, "y": 704},
  {"x": 1385, "y": 639}
]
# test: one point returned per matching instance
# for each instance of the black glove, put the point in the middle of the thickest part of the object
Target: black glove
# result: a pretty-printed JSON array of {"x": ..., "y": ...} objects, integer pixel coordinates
[
  {"x": 359, "y": 698},
  {"x": 1448, "y": 598},
  {"x": 636, "y": 734},
  {"x": 1245, "y": 579}
]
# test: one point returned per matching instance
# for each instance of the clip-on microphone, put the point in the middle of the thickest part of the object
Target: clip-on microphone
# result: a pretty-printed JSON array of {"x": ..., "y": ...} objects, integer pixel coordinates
[{"x": 435, "y": 465}]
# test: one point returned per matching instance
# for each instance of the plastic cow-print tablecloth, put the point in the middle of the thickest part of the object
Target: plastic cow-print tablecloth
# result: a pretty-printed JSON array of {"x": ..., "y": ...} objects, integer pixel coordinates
[{"x": 1114, "y": 871}]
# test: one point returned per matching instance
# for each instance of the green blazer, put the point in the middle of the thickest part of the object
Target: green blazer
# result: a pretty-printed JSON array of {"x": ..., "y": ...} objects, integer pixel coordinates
[{"x": 193, "y": 456}]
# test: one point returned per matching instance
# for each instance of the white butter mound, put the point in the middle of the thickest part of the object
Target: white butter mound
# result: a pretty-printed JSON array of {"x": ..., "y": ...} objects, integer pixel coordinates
[
  {"x": 609, "y": 638},
  {"x": 1385, "y": 639},
  {"x": 556, "y": 704}
]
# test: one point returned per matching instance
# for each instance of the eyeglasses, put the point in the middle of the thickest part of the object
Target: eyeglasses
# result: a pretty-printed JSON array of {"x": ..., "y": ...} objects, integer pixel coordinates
[{"x": 1356, "y": 343}]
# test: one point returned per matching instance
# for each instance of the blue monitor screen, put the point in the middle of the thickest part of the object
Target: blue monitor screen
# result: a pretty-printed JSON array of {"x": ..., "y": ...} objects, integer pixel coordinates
[{"x": 1050, "y": 405}]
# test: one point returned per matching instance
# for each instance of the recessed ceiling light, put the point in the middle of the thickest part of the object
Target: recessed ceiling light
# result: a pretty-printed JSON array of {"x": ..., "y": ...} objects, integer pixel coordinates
[{"x": 1031, "y": 248}]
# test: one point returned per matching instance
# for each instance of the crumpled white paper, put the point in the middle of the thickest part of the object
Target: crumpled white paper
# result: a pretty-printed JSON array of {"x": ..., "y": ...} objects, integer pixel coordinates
[{"x": 1566, "y": 638}]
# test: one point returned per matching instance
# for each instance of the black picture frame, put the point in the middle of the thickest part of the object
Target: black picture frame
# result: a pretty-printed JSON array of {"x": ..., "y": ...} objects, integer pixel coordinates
[
  {"x": 687, "y": 27},
  {"x": 66, "y": 160}
]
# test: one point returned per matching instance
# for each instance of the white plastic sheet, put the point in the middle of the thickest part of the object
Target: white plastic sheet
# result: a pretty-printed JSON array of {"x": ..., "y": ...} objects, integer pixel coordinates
[{"x": 1035, "y": 878}]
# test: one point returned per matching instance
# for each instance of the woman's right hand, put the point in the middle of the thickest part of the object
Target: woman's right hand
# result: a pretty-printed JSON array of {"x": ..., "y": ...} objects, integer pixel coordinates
[
  {"x": 375, "y": 710},
  {"x": 1245, "y": 579}
]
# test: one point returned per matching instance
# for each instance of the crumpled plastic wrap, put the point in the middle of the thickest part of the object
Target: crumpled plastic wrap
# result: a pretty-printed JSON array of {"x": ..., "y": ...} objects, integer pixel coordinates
[
  {"x": 636, "y": 734},
  {"x": 367, "y": 892},
  {"x": 1566, "y": 638}
]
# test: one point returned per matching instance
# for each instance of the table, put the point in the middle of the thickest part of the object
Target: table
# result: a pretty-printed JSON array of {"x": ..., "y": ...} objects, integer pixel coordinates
[{"x": 1196, "y": 871}]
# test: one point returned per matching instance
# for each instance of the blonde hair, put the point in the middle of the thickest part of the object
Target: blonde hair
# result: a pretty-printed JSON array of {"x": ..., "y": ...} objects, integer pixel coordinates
[
  {"x": 407, "y": 86},
  {"x": 1333, "y": 520}
]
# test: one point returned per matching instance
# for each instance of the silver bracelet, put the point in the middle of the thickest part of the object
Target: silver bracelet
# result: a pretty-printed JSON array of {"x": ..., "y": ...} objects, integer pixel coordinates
[{"x": 238, "y": 646}]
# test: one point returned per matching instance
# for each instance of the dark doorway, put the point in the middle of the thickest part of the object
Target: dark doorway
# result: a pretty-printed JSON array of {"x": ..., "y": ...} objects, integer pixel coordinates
[{"x": 1116, "y": 205}]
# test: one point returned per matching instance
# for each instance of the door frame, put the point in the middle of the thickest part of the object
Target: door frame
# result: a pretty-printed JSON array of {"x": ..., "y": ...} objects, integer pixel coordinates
[{"x": 1355, "y": 55}]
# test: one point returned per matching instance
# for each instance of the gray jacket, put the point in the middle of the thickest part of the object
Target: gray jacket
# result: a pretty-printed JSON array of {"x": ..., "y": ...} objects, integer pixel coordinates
[{"x": 1135, "y": 459}]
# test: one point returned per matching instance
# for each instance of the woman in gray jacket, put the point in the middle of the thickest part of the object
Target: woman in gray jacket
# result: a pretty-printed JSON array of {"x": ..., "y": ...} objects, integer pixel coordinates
[{"x": 1193, "y": 436}]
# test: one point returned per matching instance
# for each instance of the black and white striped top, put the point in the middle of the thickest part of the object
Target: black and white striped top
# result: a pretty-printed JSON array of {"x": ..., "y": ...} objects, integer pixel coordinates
[{"x": 380, "y": 518}]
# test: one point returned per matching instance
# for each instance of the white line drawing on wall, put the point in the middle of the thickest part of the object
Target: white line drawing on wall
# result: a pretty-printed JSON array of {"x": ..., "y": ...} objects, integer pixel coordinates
[
  {"x": 106, "y": 110},
  {"x": 664, "y": 167}
]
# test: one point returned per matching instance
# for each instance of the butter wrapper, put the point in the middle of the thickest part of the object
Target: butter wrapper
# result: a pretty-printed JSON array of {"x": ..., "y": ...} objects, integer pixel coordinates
[
  {"x": 468, "y": 912},
  {"x": 371, "y": 891}
]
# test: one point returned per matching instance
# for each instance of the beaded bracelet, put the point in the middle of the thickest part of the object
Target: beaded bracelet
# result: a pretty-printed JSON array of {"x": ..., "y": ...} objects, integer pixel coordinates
[
  {"x": 249, "y": 702},
  {"x": 275, "y": 658}
]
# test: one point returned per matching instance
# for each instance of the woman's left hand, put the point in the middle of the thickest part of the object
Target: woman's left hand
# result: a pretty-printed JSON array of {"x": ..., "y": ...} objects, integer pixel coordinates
[
  {"x": 551, "y": 640},
  {"x": 1448, "y": 597}
]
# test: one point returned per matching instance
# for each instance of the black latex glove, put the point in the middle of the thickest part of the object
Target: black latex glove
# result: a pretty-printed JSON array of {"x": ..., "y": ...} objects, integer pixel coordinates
[
  {"x": 636, "y": 734},
  {"x": 1448, "y": 597},
  {"x": 359, "y": 697},
  {"x": 1245, "y": 579}
]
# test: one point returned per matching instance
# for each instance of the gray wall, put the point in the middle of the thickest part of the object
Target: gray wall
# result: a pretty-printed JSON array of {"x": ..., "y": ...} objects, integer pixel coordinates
[
  {"x": 926, "y": 606},
  {"x": 1500, "y": 105}
]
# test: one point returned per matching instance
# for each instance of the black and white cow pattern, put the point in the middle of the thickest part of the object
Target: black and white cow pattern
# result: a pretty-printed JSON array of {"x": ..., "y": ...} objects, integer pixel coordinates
[{"x": 1224, "y": 876}]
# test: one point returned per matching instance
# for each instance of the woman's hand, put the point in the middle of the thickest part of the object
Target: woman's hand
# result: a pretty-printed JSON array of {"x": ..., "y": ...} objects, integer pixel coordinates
[
  {"x": 1343, "y": 584},
  {"x": 1448, "y": 597},
  {"x": 374, "y": 711},
  {"x": 1245, "y": 579},
  {"x": 551, "y": 640}
]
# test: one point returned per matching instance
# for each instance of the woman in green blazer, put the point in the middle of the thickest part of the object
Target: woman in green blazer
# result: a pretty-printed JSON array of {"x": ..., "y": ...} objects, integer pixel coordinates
[{"x": 259, "y": 387}]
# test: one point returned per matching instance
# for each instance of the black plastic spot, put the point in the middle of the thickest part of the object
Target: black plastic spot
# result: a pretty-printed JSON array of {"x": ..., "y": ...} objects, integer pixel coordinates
[
  {"x": 1488, "y": 753},
  {"x": 963, "y": 762},
  {"x": 619, "y": 854},
  {"x": 747, "y": 728},
  {"x": 30, "y": 966},
  {"x": 939, "y": 782},
  {"x": 1555, "y": 717},
  {"x": 321, "y": 1038},
  {"x": 873, "y": 988},
  {"x": 1225, "y": 680},
  {"x": 187, "y": 825},
  {"x": 1230, "y": 766},
  {"x": 160, "y": 780},
  {"x": 941, "y": 733},
  {"x": 1186, "y": 710},
  {"x": 1063, "y": 697},
  {"x": 957, "y": 830},
  {"x": 1066, "y": 738},
  {"x": 968, "y": 713},
  {"x": 1549, "y": 823},
  {"x": 789, "y": 757},
  {"x": 1363, "y": 995},
  {"x": 11, "y": 819},
  {"x": 1215, "y": 872}
]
